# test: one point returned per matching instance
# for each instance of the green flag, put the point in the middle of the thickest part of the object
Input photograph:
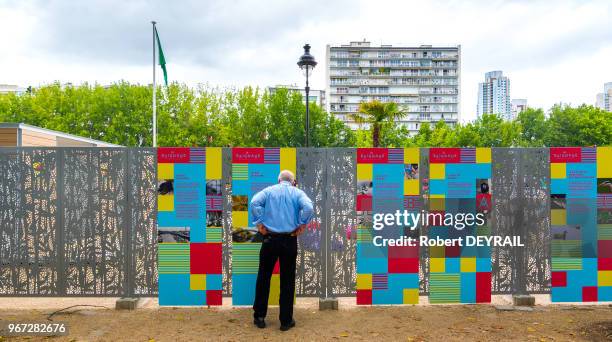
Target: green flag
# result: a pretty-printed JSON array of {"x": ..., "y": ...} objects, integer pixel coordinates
[{"x": 162, "y": 60}]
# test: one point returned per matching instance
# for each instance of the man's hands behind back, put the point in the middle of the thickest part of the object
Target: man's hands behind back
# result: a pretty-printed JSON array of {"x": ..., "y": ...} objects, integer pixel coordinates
[
  {"x": 299, "y": 230},
  {"x": 262, "y": 229}
]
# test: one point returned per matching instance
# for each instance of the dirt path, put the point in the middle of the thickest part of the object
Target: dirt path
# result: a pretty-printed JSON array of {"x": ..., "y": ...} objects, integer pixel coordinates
[{"x": 407, "y": 323}]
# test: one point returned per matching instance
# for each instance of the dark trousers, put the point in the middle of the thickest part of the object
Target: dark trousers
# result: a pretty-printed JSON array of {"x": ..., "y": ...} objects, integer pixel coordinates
[{"x": 284, "y": 249}]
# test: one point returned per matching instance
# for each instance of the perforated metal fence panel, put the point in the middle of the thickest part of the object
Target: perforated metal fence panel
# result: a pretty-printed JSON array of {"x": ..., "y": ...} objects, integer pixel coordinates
[
  {"x": 29, "y": 223},
  {"x": 341, "y": 233},
  {"x": 142, "y": 200},
  {"x": 77, "y": 222},
  {"x": 521, "y": 206},
  {"x": 82, "y": 221},
  {"x": 312, "y": 178}
]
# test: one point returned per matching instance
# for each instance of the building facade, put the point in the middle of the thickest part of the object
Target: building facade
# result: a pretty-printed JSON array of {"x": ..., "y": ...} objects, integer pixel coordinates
[
  {"x": 22, "y": 135},
  {"x": 494, "y": 95},
  {"x": 604, "y": 100},
  {"x": 599, "y": 100},
  {"x": 316, "y": 96},
  {"x": 423, "y": 81},
  {"x": 12, "y": 89},
  {"x": 518, "y": 105}
]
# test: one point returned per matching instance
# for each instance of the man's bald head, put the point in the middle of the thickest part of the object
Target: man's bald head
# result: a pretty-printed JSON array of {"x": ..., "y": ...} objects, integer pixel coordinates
[{"x": 286, "y": 176}]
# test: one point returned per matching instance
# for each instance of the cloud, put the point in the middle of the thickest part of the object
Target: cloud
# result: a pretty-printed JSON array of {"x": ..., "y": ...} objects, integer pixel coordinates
[
  {"x": 563, "y": 47},
  {"x": 199, "y": 32}
]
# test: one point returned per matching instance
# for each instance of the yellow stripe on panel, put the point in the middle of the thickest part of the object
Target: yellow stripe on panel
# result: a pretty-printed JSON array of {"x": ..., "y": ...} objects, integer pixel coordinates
[
  {"x": 288, "y": 159},
  {"x": 483, "y": 155},
  {"x": 213, "y": 163},
  {"x": 604, "y": 162},
  {"x": 411, "y": 155}
]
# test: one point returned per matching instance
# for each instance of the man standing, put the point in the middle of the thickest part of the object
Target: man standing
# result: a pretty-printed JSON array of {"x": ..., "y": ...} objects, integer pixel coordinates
[{"x": 280, "y": 212}]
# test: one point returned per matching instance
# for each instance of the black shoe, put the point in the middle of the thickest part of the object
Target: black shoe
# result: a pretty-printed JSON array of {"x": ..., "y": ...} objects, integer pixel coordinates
[
  {"x": 259, "y": 322},
  {"x": 288, "y": 326}
]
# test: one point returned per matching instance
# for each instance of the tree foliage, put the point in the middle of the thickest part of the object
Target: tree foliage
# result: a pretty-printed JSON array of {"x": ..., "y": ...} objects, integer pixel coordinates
[
  {"x": 376, "y": 114},
  {"x": 121, "y": 114},
  {"x": 206, "y": 116}
]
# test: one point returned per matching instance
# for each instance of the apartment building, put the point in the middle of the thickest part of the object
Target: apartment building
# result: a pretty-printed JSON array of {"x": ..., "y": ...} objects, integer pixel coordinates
[
  {"x": 518, "y": 105},
  {"x": 494, "y": 95},
  {"x": 424, "y": 81},
  {"x": 604, "y": 100},
  {"x": 11, "y": 89},
  {"x": 314, "y": 95}
]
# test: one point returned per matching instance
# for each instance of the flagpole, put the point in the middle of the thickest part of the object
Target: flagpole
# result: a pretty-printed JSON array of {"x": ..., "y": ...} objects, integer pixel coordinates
[{"x": 154, "y": 91}]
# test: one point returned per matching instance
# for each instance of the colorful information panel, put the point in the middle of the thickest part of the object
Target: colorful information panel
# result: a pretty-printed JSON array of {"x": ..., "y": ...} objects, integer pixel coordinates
[
  {"x": 387, "y": 182},
  {"x": 460, "y": 180},
  {"x": 252, "y": 170},
  {"x": 189, "y": 221},
  {"x": 581, "y": 224},
  {"x": 457, "y": 184}
]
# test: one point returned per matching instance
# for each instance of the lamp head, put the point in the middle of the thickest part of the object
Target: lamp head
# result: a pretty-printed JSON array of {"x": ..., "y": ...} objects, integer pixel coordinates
[{"x": 307, "y": 61}]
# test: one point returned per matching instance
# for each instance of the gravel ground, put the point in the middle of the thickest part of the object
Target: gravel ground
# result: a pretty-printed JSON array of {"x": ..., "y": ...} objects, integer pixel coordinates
[{"x": 404, "y": 323}]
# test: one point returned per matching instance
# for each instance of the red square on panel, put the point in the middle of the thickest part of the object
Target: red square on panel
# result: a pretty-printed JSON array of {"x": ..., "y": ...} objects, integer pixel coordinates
[
  {"x": 364, "y": 202},
  {"x": 604, "y": 248},
  {"x": 205, "y": 258},
  {"x": 245, "y": 155},
  {"x": 214, "y": 297},
  {"x": 483, "y": 287},
  {"x": 173, "y": 154},
  {"x": 452, "y": 251},
  {"x": 364, "y": 297},
  {"x": 372, "y": 155},
  {"x": 403, "y": 265},
  {"x": 589, "y": 294},
  {"x": 403, "y": 251},
  {"x": 565, "y": 154},
  {"x": 439, "y": 155},
  {"x": 604, "y": 264},
  {"x": 276, "y": 269},
  {"x": 558, "y": 279}
]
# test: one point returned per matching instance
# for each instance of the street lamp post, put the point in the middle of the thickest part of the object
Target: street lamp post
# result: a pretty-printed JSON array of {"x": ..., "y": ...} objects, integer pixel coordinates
[{"x": 307, "y": 63}]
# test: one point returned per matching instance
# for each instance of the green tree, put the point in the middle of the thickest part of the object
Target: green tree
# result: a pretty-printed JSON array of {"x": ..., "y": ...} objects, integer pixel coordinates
[
  {"x": 394, "y": 135},
  {"x": 466, "y": 135},
  {"x": 363, "y": 138},
  {"x": 442, "y": 135},
  {"x": 206, "y": 116},
  {"x": 493, "y": 131},
  {"x": 287, "y": 118},
  {"x": 327, "y": 130},
  {"x": 578, "y": 126},
  {"x": 533, "y": 127},
  {"x": 376, "y": 113},
  {"x": 423, "y": 137},
  {"x": 391, "y": 135}
]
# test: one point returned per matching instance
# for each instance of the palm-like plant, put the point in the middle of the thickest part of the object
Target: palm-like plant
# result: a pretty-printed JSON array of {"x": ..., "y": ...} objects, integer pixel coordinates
[{"x": 376, "y": 113}]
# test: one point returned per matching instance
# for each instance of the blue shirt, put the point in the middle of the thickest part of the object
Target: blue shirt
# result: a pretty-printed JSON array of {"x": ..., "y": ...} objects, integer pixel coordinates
[{"x": 281, "y": 208}]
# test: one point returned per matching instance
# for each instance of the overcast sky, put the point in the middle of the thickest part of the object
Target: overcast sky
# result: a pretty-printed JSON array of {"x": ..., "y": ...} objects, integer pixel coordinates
[{"x": 553, "y": 51}]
